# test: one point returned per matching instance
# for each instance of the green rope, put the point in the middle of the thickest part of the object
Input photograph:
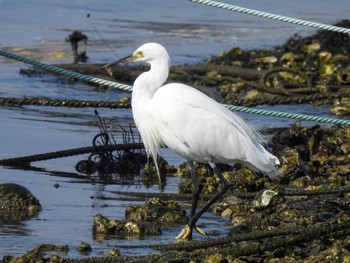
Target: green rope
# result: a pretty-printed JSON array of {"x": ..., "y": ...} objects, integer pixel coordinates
[
  {"x": 272, "y": 16},
  {"x": 301, "y": 117},
  {"x": 124, "y": 87},
  {"x": 67, "y": 73}
]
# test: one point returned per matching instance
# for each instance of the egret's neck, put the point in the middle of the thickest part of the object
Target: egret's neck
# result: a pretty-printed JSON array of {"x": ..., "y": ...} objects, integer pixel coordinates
[{"x": 149, "y": 82}]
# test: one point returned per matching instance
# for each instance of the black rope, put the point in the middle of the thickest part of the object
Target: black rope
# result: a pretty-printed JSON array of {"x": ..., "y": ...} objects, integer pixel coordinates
[
  {"x": 19, "y": 161},
  {"x": 291, "y": 99},
  {"x": 261, "y": 100},
  {"x": 326, "y": 228},
  {"x": 282, "y": 90},
  {"x": 279, "y": 238},
  {"x": 62, "y": 103}
]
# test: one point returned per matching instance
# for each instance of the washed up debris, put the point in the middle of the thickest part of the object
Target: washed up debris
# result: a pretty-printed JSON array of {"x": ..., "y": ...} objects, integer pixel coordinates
[{"x": 74, "y": 39}]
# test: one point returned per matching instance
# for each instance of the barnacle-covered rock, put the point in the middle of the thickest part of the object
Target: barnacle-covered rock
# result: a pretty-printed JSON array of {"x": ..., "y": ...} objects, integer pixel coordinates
[
  {"x": 17, "y": 203},
  {"x": 341, "y": 107},
  {"x": 312, "y": 47},
  {"x": 267, "y": 59},
  {"x": 103, "y": 227},
  {"x": 114, "y": 252},
  {"x": 208, "y": 182},
  {"x": 84, "y": 248},
  {"x": 325, "y": 63},
  {"x": 313, "y": 151},
  {"x": 38, "y": 254},
  {"x": 214, "y": 258},
  {"x": 156, "y": 210},
  {"x": 319, "y": 63},
  {"x": 291, "y": 163},
  {"x": 247, "y": 180},
  {"x": 265, "y": 198},
  {"x": 51, "y": 247},
  {"x": 230, "y": 206}
]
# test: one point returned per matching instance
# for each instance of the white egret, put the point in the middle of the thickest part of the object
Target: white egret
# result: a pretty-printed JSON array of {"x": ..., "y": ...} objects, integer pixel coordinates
[{"x": 193, "y": 125}]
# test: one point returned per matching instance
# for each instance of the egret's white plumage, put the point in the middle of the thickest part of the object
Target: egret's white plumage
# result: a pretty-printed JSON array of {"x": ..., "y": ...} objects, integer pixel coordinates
[
  {"x": 191, "y": 124},
  {"x": 200, "y": 129}
]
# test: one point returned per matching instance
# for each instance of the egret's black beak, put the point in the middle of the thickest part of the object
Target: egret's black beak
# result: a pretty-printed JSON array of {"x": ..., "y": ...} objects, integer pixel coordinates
[{"x": 126, "y": 60}]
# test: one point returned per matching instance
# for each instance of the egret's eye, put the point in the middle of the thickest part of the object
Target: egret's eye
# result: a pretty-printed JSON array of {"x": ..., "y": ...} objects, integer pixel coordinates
[{"x": 138, "y": 55}]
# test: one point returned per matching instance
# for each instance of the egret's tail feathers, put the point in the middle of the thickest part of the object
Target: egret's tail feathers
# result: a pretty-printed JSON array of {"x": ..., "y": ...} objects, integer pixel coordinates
[
  {"x": 264, "y": 162},
  {"x": 274, "y": 174},
  {"x": 158, "y": 174},
  {"x": 154, "y": 155},
  {"x": 272, "y": 170}
]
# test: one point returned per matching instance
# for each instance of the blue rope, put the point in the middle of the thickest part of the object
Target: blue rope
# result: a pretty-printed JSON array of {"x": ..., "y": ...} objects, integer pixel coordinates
[
  {"x": 272, "y": 16},
  {"x": 124, "y": 87}
]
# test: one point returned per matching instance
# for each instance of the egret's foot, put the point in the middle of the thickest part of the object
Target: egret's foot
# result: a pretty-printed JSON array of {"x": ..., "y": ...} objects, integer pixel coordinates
[
  {"x": 200, "y": 231},
  {"x": 186, "y": 233}
]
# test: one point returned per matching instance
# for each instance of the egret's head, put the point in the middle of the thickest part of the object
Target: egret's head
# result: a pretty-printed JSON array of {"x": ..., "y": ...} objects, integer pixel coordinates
[
  {"x": 147, "y": 52},
  {"x": 150, "y": 51}
]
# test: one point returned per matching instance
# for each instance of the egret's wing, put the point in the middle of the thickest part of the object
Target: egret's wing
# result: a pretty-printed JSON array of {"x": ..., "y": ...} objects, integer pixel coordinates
[
  {"x": 186, "y": 102},
  {"x": 198, "y": 128}
]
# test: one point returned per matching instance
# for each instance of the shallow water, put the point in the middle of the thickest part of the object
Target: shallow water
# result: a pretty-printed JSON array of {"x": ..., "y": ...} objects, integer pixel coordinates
[{"x": 37, "y": 29}]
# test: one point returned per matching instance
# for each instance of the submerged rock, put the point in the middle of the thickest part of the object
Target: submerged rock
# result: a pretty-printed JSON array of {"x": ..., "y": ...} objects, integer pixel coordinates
[
  {"x": 84, "y": 248},
  {"x": 17, "y": 203}
]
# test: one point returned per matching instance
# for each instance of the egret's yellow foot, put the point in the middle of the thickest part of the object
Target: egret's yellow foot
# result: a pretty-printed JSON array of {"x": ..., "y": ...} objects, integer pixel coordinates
[
  {"x": 200, "y": 231},
  {"x": 186, "y": 233}
]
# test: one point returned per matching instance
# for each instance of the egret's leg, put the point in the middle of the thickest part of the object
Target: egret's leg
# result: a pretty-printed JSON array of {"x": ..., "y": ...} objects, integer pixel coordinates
[
  {"x": 221, "y": 192},
  {"x": 186, "y": 233},
  {"x": 195, "y": 189}
]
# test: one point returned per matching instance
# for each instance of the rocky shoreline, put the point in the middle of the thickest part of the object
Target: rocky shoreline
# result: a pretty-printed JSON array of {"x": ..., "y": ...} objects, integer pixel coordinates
[{"x": 301, "y": 217}]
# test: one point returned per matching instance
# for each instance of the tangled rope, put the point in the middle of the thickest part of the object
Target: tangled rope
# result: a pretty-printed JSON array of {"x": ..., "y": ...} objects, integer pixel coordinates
[
  {"x": 272, "y": 16},
  {"x": 282, "y": 90}
]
